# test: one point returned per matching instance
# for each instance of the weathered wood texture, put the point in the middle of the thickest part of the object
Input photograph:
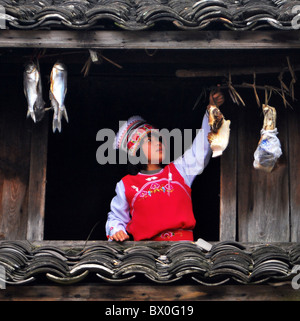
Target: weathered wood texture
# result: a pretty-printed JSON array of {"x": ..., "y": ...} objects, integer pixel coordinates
[
  {"x": 228, "y": 182},
  {"x": 136, "y": 292},
  {"x": 237, "y": 71},
  {"x": 150, "y": 39},
  {"x": 22, "y": 150},
  {"x": 263, "y": 198},
  {"x": 161, "y": 247},
  {"x": 294, "y": 171},
  {"x": 14, "y": 169},
  {"x": 37, "y": 181},
  {"x": 266, "y": 206}
]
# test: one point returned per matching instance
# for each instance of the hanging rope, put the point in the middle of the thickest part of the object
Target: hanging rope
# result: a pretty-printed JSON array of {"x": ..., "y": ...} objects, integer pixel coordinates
[
  {"x": 294, "y": 78},
  {"x": 235, "y": 96}
]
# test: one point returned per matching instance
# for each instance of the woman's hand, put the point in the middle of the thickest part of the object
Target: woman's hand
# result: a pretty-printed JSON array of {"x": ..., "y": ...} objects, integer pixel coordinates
[{"x": 120, "y": 236}]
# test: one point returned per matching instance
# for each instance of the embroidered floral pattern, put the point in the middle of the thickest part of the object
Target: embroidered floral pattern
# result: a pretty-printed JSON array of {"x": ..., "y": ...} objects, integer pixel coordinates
[
  {"x": 156, "y": 188},
  {"x": 168, "y": 235},
  {"x": 111, "y": 228}
]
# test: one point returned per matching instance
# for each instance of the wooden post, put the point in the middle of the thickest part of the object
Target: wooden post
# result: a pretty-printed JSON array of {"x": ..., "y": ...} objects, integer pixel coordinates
[
  {"x": 294, "y": 171},
  {"x": 228, "y": 182},
  {"x": 37, "y": 180}
]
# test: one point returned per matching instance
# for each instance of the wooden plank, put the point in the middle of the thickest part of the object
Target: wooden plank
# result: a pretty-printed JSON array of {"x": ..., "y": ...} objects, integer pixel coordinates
[
  {"x": 234, "y": 71},
  {"x": 14, "y": 168},
  {"x": 228, "y": 181},
  {"x": 2, "y": 177},
  {"x": 37, "y": 180},
  {"x": 67, "y": 245},
  {"x": 148, "y": 292},
  {"x": 161, "y": 246},
  {"x": 294, "y": 173},
  {"x": 223, "y": 39},
  {"x": 13, "y": 196},
  {"x": 263, "y": 198}
]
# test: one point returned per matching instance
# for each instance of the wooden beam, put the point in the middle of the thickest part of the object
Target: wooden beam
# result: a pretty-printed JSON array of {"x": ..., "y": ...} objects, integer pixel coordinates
[
  {"x": 224, "y": 39},
  {"x": 146, "y": 292},
  {"x": 237, "y": 71}
]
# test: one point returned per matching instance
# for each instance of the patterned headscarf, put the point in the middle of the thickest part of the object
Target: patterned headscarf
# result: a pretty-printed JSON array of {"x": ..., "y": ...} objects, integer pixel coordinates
[{"x": 131, "y": 133}]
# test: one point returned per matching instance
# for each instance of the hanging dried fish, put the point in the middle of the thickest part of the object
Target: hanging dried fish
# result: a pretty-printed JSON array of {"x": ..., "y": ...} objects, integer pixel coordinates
[
  {"x": 33, "y": 91},
  {"x": 269, "y": 148},
  {"x": 58, "y": 90},
  {"x": 218, "y": 137}
]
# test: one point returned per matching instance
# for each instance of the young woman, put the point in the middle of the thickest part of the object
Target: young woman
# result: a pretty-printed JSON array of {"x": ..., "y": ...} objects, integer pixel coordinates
[{"x": 155, "y": 204}]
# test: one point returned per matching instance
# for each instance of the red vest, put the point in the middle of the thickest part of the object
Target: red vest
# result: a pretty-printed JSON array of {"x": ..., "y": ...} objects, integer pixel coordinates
[{"x": 158, "y": 202}]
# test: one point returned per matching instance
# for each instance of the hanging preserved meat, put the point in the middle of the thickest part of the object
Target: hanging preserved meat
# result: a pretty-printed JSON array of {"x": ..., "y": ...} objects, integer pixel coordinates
[
  {"x": 218, "y": 136},
  {"x": 269, "y": 148}
]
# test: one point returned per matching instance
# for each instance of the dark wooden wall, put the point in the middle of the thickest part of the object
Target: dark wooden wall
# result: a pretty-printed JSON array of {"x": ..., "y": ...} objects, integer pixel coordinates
[
  {"x": 14, "y": 175},
  {"x": 294, "y": 172},
  {"x": 23, "y": 155},
  {"x": 258, "y": 206}
]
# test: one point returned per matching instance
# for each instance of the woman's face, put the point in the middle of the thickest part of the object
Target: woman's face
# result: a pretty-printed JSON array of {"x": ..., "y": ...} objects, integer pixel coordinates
[{"x": 153, "y": 149}]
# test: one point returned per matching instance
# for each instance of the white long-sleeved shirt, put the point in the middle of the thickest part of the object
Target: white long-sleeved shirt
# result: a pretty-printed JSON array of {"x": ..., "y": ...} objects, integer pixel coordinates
[{"x": 189, "y": 165}]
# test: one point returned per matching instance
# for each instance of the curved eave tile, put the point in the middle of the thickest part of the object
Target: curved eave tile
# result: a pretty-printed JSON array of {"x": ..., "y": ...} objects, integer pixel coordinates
[
  {"x": 225, "y": 262},
  {"x": 145, "y": 14}
]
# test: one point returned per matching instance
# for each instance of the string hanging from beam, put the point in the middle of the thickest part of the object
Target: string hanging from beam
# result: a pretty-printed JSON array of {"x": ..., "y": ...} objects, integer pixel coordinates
[{"x": 283, "y": 91}]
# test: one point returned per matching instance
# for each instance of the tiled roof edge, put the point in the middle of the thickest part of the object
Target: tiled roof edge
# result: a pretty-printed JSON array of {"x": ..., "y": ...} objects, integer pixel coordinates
[
  {"x": 22, "y": 263},
  {"x": 145, "y": 14}
]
